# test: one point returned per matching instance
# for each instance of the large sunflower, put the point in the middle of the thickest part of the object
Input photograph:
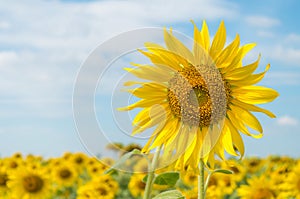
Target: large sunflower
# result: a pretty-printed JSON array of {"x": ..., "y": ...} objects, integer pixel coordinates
[{"x": 198, "y": 100}]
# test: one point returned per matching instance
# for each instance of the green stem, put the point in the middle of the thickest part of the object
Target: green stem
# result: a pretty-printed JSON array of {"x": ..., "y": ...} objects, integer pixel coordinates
[
  {"x": 201, "y": 188},
  {"x": 207, "y": 181},
  {"x": 151, "y": 175}
]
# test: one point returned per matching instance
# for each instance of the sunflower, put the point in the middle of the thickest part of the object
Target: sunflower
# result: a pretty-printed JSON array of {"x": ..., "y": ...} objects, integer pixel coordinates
[
  {"x": 190, "y": 178},
  {"x": 136, "y": 186},
  {"x": 198, "y": 100},
  {"x": 29, "y": 183},
  {"x": 103, "y": 187},
  {"x": 239, "y": 171},
  {"x": 257, "y": 188},
  {"x": 291, "y": 186},
  {"x": 3, "y": 181},
  {"x": 65, "y": 174},
  {"x": 79, "y": 160}
]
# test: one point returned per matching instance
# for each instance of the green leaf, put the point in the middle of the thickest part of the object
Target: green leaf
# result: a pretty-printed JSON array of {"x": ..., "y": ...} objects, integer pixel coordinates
[
  {"x": 122, "y": 160},
  {"x": 145, "y": 179},
  {"x": 173, "y": 194},
  {"x": 167, "y": 178},
  {"x": 223, "y": 171}
]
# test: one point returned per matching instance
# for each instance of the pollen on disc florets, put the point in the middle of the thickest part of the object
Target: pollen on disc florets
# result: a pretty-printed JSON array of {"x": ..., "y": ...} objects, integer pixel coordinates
[{"x": 198, "y": 95}]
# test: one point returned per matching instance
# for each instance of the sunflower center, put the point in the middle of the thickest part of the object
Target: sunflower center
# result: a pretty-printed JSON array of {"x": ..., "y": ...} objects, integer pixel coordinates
[
  {"x": 102, "y": 191},
  {"x": 192, "y": 178},
  {"x": 263, "y": 194},
  {"x": 141, "y": 185},
  {"x": 65, "y": 173},
  {"x": 198, "y": 95},
  {"x": 3, "y": 180},
  {"x": 95, "y": 170},
  {"x": 79, "y": 160},
  {"x": 235, "y": 169},
  {"x": 33, "y": 183},
  {"x": 13, "y": 165}
]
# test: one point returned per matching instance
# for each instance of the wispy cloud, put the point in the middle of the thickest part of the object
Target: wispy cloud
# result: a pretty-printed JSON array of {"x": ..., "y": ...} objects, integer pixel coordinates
[
  {"x": 284, "y": 53},
  {"x": 287, "y": 120},
  {"x": 43, "y": 56},
  {"x": 283, "y": 78},
  {"x": 262, "y": 21}
]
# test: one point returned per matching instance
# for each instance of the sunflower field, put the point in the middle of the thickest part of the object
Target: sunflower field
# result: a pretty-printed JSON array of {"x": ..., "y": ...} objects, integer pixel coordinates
[{"x": 76, "y": 175}]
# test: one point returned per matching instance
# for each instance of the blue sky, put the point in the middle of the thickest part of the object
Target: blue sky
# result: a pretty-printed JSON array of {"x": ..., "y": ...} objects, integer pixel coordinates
[{"x": 44, "y": 43}]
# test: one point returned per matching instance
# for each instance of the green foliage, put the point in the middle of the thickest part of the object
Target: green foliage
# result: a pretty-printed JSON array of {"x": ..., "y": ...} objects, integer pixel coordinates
[
  {"x": 167, "y": 178},
  {"x": 172, "y": 194}
]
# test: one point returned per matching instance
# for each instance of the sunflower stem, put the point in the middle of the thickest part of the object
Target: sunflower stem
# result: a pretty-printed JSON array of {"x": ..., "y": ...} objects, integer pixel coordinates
[
  {"x": 151, "y": 175},
  {"x": 201, "y": 186}
]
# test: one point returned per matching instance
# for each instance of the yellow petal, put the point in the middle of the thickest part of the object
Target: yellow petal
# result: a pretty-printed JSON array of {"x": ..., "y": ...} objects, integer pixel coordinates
[
  {"x": 228, "y": 141},
  {"x": 242, "y": 72},
  {"x": 247, "y": 118},
  {"x": 143, "y": 104},
  {"x": 166, "y": 58},
  {"x": 205, "y": 36},
  {"x": 236, "y": 137},
  {"x": 218, "y": 42},
  {"x": 254, "y": 94},
  {"x": 239, "y": 125},
  {"x": 175, "y": 46},
  {"x": 150, "y": 90},
  {"x": 250, "y": 80},
  {"x": 251, "y": 107},
  {"x": 237, "y": 61},
  {"x": 228, "y": 54},
  {"x": 151, "y": 73}
]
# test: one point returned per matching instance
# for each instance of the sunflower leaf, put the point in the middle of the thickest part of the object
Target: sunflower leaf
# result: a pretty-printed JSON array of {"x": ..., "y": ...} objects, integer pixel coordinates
[
  {"x": 120, "y": 163},
  {"x": 172, "y": 194},
  {"x": 223, "y": 171},
  {"x": 167, "y": 178}
]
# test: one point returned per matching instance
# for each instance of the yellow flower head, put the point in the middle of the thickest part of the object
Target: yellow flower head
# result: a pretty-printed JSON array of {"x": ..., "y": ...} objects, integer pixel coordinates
[
  {"x": 103, "y": 187},
  {"x": 136, "y": 186},
  {"x": 65, "y": 174},
  {"x": 198, "y": 100},
  {"x": 3, "y": 181},
  {"x": 29, "y": 183},
  {"x": 257, "y": 188}
]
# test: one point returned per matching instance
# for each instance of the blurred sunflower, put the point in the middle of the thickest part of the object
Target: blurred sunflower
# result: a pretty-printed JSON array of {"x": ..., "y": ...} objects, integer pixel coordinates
[
  {"x": 291, "y": 185},
  {"x": 3, "y": 181},
  {"x": 190, "y": 194},
  {"x": 103, "y": 187},
  {"x": 198, "y": 100},
  {"x": 29, "y": 183},
  {"x": 136, "y": 186},
  {"x": 78, "y": 160},
  {"x": 65, "y": 174},
  {"x": 239, "y": 171},
  {"x": 257, "y": 188},
  {"x": 189, "y": 178}
]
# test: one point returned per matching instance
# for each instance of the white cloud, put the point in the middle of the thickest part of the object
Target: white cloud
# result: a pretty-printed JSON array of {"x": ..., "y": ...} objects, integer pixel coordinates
[
  {"x": 267, "y": 34},
  {"x": 285, "y": 54},
  {"x": 292, "y": 38},
  {"x": 4, "y": 25},
  {"x": 48, "y": 40},
  {"x": 287, "y": 121},
  {"x": 262, "y": 21},
  {"x": 282, "y": 78}
]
